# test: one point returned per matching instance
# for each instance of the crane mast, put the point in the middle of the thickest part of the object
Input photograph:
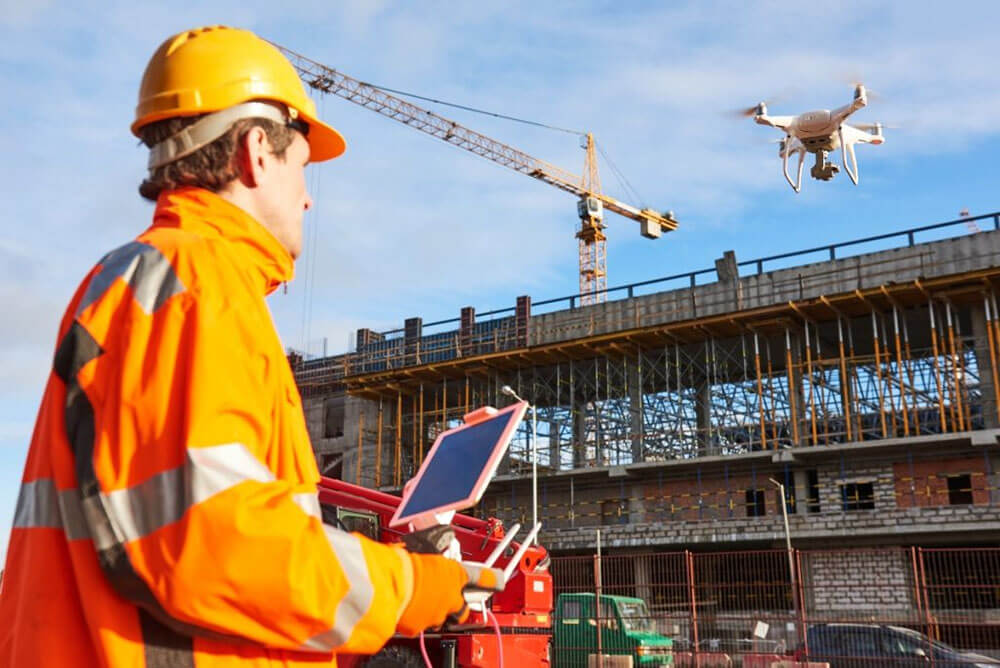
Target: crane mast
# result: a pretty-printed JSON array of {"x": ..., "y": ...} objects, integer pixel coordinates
[{"x": 587, "y": 188}]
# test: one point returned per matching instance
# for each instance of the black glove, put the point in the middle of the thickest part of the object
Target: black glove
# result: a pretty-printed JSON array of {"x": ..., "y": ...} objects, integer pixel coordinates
[{"x": 429, "y": 541}]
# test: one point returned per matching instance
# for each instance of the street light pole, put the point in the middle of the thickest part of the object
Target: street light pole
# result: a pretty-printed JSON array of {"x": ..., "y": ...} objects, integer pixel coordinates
[
  {"x": 509, "y": 391},
  {"x": 788, "y": 546}
]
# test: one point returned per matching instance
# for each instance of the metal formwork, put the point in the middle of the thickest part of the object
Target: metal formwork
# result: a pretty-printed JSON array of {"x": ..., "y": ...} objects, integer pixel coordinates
[{"x": 860, "y": 368}]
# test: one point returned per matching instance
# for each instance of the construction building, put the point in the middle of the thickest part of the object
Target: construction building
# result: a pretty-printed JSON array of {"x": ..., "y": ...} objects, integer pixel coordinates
[{"x": 864, "y": 383}]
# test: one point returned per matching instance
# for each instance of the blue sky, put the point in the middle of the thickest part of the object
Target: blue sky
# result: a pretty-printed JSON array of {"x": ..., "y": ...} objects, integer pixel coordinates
[{"x": 405, "y": 225}]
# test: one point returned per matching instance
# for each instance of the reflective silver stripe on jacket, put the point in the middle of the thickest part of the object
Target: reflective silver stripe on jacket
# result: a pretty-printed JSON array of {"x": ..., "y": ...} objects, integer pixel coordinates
[
  {"x": 41, "y": 506},
  {"x": 158, "y": 501},
  {"x": 120, "y": 516},
  {"x": 358, "y": 598},
  {"x": 148, "y": 273}
]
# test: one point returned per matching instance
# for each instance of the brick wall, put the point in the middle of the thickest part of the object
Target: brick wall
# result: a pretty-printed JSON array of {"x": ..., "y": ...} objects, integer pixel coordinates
[
  {"x": 710, "y": 499},
  {"x": 962, "y": 523},
  {"x": 925, "y": 483},
  {"x": 839, "y": 584},
  {"x": 831, "y": 479}
]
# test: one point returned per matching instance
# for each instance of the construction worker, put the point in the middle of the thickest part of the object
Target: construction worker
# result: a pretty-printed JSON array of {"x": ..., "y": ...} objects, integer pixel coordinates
[{"x": 168, "y": 513}]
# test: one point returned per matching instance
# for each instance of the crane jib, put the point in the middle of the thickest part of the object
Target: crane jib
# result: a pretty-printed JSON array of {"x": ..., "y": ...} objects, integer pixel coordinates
[{"x": 593, "y": 273}]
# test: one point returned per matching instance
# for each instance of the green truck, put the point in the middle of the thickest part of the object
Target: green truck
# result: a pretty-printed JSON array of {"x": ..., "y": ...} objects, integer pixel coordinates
[{"x": 627, "y": 635}]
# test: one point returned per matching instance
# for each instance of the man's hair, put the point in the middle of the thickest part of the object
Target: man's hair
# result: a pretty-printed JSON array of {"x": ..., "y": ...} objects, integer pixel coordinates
[{"x": 214, "y": 165}]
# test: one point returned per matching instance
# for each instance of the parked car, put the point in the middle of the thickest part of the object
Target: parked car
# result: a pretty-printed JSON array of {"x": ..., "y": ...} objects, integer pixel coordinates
[{"x": 868, "y": 645}]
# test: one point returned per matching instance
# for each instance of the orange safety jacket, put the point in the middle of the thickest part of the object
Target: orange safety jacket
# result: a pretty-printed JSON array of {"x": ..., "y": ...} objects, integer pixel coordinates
[{"x": 168, "y": 512}]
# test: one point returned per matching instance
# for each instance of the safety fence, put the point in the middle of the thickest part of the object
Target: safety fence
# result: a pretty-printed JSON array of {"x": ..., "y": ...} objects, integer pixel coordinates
[{"x": 886, "y": 606}]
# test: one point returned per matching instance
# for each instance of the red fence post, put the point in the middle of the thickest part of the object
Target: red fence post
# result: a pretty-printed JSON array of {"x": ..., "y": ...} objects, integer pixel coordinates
[
  {"x": 800, "y": 593},
  {"x": 692, "y": 599}
]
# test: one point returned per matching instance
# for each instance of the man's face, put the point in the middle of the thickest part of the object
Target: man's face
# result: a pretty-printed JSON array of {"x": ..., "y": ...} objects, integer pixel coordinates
[{"x": 284, "y": 195}]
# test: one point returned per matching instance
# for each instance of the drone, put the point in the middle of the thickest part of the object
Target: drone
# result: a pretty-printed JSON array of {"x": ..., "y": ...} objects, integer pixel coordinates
[{"x": 820, "y": 132}]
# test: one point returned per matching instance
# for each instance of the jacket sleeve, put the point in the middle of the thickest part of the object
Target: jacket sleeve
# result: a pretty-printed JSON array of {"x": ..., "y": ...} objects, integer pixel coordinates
[{"x": 197, "y": 504}]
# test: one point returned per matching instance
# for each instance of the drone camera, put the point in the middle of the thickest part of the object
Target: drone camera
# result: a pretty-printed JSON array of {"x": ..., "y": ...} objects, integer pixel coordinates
[{"x": 823, "y": 170}]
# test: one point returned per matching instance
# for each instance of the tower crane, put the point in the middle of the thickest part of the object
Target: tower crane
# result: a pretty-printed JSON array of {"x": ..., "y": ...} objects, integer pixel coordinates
[{"x": 591, "y": 202}]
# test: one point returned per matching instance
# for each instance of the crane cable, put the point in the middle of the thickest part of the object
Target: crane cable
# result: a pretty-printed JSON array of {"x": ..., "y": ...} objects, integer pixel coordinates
[
  {"x": 474, "y": 110},
  {"x": 311, "y": 253},
  {"x": 622, "y": 180}
]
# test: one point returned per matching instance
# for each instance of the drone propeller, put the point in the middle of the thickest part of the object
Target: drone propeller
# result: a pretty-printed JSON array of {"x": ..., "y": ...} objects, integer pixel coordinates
[
  {"x": 748, "y": 112},
  {"x": 859, "y": 85},
  {"x": 760, "y": 107}
]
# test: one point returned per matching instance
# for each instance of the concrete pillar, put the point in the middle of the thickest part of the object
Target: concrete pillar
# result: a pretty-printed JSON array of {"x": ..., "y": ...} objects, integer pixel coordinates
[
  {"x": 412, "y": 331},
  {"x": 466, "y": 329},
  {"x": 993, "y": 478},
  {"x": 795, "y": 339},
  {"x": 555, "y": 456},
  {"x": 801, "y": 481},
  {"x": 703, "y": 418},
  {"x": 636, "y": 505},
  {"x": 364, "y": 339},
  {"x": 983, "y": 362},
  {"x": 728, "y": 271},
  {"x": 579, "y": 433},
  {"x": 635, "y": 408},
  {"x": 643, "y": 578},
  {"x": 522, "y": 316}
]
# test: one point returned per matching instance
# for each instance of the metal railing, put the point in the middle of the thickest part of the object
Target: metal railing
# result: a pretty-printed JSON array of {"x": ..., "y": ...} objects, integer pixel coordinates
[
  {"x": 690, "y": 278},
  {"x": 494, "y": 332}
]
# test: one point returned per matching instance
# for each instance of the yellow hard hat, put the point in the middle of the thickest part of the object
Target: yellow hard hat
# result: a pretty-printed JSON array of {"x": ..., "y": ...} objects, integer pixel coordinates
[{"x": 215, "y": 68}]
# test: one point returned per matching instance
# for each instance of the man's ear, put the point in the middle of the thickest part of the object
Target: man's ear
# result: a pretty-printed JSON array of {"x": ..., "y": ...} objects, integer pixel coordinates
[{"x": 253, "y": 156}]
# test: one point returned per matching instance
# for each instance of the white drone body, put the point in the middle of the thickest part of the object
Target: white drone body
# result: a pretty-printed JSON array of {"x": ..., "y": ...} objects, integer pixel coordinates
[{"x": 821, "y": 132}]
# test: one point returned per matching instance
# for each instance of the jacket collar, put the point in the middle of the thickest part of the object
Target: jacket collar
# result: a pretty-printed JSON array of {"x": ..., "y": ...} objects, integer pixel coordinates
[{"x": 204, "y": 213}]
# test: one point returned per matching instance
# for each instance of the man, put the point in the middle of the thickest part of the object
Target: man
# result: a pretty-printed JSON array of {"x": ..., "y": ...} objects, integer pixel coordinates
[{"x": 168, "y": 512}]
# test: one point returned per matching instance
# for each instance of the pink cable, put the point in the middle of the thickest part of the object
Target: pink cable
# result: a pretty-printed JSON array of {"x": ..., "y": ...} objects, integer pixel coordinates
[
  {"x": 496, "y": 627},
  {"x": 423, "y": 650}
]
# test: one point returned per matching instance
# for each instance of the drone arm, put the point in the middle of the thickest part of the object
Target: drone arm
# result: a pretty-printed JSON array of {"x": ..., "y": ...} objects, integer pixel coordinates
[
  {"x": 848, "y": 149},
  {"x": 796, "y": 185},
  {"x": 840, "y": 115},
  {"x": 780, "y": 122}
]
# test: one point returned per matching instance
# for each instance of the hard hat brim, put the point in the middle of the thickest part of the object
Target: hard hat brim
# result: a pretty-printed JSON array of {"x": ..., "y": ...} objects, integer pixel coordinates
[{"x": 325, "y": 143}]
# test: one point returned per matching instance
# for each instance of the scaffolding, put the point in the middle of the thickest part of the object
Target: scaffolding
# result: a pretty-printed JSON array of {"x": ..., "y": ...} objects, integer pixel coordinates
[
  {"x": 876, "y": 366},
  {"x": 816, "y": 362}
]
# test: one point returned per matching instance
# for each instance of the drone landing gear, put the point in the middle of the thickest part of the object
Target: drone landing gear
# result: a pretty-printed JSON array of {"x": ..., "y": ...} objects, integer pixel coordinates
[
  {"x": 785, "y": 152},
  {"x": 823, "y": 170}
]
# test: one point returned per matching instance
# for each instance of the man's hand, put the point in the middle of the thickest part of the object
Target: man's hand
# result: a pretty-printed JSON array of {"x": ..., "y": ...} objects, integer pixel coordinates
[
  {"x": 441, "y": 588},
  {"x": 438, "y": 583},
  {"x": 483, "y": 583}
]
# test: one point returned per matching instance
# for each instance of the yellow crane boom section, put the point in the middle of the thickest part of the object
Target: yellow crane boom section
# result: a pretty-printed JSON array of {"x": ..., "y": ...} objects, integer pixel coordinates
[{"x": 329, "y": 80}]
